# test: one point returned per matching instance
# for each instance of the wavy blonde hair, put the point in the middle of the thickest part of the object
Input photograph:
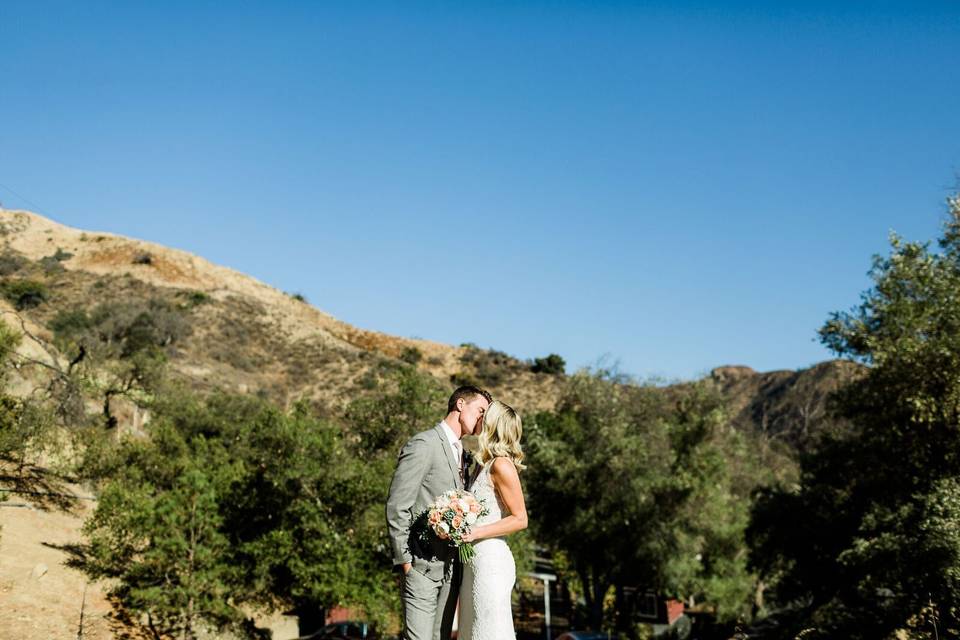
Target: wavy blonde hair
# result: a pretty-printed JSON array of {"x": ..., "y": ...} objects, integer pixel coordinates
[{"x": 500, "y": 435}]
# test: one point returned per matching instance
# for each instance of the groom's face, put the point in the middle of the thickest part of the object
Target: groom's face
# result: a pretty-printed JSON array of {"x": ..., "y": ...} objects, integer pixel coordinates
[{"x": 471, "y": 414}]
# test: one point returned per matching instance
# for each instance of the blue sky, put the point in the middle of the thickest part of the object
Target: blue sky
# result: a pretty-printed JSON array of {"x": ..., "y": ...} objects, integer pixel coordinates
[{"x": 675, "y": 185}]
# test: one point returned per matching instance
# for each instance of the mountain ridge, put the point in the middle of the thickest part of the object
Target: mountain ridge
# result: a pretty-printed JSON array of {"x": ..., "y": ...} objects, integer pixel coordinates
[{"x": 255, "y": 335}]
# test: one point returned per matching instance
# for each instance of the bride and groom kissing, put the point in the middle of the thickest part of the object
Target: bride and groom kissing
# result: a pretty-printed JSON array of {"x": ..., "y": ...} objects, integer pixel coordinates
[{"x": 432, "y": 577}]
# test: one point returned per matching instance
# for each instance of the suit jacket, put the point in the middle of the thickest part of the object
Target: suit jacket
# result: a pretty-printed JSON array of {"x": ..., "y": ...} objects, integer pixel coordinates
[{"x": 426, "y": 468}]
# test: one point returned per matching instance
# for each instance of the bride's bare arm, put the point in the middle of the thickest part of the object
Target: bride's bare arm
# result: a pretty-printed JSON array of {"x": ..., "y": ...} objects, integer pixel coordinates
[{"x": 506, "y": 481}]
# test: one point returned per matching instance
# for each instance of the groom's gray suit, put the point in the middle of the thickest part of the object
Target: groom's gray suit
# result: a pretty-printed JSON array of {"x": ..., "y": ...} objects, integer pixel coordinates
[{"x": 426, "y": 468}]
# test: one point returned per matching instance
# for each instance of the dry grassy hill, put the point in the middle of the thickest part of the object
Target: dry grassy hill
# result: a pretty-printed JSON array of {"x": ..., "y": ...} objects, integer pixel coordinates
[{"x": 243, "y": 334}]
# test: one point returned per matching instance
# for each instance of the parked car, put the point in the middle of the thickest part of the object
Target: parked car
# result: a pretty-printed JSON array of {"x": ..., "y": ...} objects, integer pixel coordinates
[{"x": 346, "y": 630}]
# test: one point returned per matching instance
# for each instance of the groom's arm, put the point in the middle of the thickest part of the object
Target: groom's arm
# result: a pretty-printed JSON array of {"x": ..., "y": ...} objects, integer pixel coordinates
[{"x": 411, "y": 468}]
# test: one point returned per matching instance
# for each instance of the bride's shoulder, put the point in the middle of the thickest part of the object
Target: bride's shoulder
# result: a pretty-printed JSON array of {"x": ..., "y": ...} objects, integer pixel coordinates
[{"x": 503, "y": 466}]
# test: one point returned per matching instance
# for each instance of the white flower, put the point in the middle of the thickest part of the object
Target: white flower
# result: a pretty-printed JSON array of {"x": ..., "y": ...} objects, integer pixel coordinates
[
  {"x": 443, "y": 526},
  {"x": 464, "y": 504},
  {"x": 471, "y": 518}
]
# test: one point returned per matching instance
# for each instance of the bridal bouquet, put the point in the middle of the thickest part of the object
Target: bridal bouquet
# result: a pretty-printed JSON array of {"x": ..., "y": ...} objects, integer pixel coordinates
[{"x": 451, "y": 516}]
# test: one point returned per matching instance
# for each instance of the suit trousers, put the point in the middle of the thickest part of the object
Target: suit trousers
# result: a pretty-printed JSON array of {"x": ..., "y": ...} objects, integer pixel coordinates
[{"x": 429, "y": 606}]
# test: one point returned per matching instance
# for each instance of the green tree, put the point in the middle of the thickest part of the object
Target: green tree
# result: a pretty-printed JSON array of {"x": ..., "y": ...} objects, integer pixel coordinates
[
  {"x": 157, "y": 531},
  {"x": 26, "y": 424},
  {"x": 117, "y": 349},
  {"x": 180, "y": 578},
  {"x": 866, "y": 544},
  {"x": 552, "y": 364},
  {"x": 657, "y": 505},
  {"x": 287, "y": 509}
]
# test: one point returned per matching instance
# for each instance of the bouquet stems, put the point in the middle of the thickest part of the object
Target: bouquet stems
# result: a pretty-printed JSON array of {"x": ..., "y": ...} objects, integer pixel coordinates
[{"x": 466, "y": 553}]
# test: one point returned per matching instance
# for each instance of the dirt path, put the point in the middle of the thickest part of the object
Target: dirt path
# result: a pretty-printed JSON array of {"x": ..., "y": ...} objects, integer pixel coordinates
[{"x": 40, "y": 596}]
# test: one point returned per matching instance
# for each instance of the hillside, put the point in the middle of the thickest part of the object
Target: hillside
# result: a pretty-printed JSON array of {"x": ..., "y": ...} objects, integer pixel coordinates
[
  {"x": 227, "y": 330},
  {"x": 242, "y": 334},
  {"x": 790, "y": 406}
]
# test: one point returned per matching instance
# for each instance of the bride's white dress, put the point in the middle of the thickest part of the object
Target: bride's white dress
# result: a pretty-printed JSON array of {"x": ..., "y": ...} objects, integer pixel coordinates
[{"x": 485, "y": 609}]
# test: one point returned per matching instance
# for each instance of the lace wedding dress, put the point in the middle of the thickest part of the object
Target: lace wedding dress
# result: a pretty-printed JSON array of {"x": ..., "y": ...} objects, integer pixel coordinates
[{"x": 485, "y": 609}]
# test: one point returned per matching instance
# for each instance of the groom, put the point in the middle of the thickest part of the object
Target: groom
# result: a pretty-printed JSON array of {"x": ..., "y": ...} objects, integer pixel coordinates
[{"x": 431, "y": 463}]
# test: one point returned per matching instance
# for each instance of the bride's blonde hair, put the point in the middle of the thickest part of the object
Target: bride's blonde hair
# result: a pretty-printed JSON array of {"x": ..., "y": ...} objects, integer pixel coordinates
[{"x": 500, "y": 435}]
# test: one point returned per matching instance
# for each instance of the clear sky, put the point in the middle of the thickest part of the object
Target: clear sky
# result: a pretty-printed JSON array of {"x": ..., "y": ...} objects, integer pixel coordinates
[{"x": 676, "y": 185}]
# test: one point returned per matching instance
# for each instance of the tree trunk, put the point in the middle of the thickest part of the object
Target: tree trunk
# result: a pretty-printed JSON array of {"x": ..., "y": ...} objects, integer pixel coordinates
[
  {"x": 593, "y": 591},
  {"x": 310, "y": 617},
  {"x": 109, "y": 419},
  {"x": 599, "y": 591}
]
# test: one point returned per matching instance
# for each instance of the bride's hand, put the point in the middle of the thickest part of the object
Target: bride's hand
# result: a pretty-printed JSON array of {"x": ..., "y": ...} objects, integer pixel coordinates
[{"x": 470, "y": 536}]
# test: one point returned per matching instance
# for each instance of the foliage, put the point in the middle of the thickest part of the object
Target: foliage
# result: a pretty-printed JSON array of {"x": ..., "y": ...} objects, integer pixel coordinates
[
  {"x": 411, "y": 355},
  {"x": 26, "y": 427},
  {"x": 9, "y": 341},
  {"x": 552, "y": 365},
  {"x": 867, "y": 542},
  {"x": 487, "y": 366},
  {"x": 232, "y": 502},
  {"x": 51, "y": 264},
  {"x": 118, "y": 348},
  {"x": 11, "y": 262},
  {"x": 195, "y": 298},
  {"x": 24, "y": 293},
  {"x": 461, "y": 379},
  {"x": 658, "y": 506},
  {"x": 166, "y": 550}
]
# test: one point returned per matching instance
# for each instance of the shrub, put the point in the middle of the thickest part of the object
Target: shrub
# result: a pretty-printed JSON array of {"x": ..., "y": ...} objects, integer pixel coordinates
[
  {"x": 195, "y": 298},
  {"x": 490, "y": 366},
  {"x": 461, "y": 379},
  {"x": 69, "y": 324},
  {"x": 143, "y": 258},
  {"x": 51, "y": 264},
  {"x": 122, "y": 329},
  {"x": 11, "y": 263},
  {"x": 299, "y": 297},
  {"x": 411, "y": 355},
  {"x": 552, "y": 364},
  {"x": 24, "y": 294}
]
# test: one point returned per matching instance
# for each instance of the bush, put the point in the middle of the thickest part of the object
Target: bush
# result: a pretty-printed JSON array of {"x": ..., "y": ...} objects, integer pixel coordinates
[
  {"x": 11, "y": 263},
  {"x": 121, "y": 328},
  {"x": 143, "y": 258},
  {"x": 51, "y": 264},
  {"x": 299, "y": 297},
  {"x": 195, "y": 298},
  {"x": 461, "y": 379},
  {"x": 24, "y": 294},
  {"x": 490, "y": 367},
  {"x": 69, "y": 324},
  {"x": 552, "y": 364},
  {"x": 411, "y": 355}
]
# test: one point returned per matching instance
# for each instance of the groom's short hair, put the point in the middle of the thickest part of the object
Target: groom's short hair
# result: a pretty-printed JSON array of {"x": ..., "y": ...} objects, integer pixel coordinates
[{"x": 468, "y": 392}]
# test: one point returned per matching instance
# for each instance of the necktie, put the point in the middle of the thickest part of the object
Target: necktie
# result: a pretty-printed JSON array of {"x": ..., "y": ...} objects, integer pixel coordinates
[{"x": 458, "y": 447}]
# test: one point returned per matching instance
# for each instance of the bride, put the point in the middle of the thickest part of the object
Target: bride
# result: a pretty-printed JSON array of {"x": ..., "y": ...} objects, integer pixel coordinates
[{"x": 485, "y": 611}]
